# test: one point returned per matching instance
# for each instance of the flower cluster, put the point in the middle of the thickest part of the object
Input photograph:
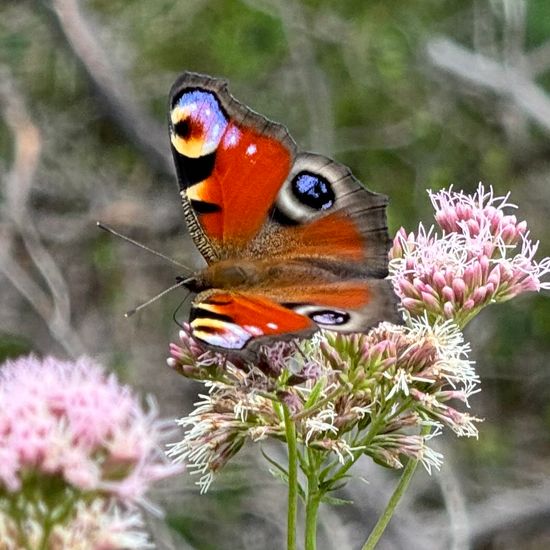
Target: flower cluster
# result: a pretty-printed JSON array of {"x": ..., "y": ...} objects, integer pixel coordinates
[
  {"x": 233, "y": 411},
  {"x": 70, "y": 434},
  {"x": 95, "y": 525},
  {"x": 483, "y": 255},
  {"x": 383, "y": 394},
  {"x": 349, "y": 395}
]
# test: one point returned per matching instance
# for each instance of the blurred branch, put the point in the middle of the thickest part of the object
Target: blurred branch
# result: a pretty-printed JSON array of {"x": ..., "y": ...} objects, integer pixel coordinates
[
  {"x": 522, "y": 510},
  {"x": 455, "y": 506},
  {"x": 481, "y": 71},
  {"x": 310, "y": 77},
  {"x": 539, "y": 59},
  {"x": 54, "y": 309},
  {"x": 515, "y": 22},
  {"x": 525, "y": 509},
  {"x": 116, "y": 97}
]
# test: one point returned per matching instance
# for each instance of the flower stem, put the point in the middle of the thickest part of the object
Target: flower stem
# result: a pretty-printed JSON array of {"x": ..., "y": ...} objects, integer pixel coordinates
[
  {"x": 318, "y": 405},
  {"x": 385, "y": 518},
  {"x": 373, "y": 431},
  {"x": 290, "y": 429},
  {"x": 312, "y": 507}
]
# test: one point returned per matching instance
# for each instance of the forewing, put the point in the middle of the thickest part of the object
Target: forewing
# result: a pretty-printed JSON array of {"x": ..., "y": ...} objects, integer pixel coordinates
[{"x": 231, "y": 163}]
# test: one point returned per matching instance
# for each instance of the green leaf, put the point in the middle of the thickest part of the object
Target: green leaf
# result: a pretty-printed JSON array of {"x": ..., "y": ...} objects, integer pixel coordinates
[
  {"x": 274, "y": 463},
  {"x": 330, "y": 485},
  {"x": 278, "y": 474},
  {"x": 315, "y": 392},
  {"x": 336, "y": 501},
  {"x": 283, "y": 476}
]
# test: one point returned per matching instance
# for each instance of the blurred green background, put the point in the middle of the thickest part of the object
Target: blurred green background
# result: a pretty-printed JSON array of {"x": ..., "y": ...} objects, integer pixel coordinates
[{"x": 411, "y": 95}]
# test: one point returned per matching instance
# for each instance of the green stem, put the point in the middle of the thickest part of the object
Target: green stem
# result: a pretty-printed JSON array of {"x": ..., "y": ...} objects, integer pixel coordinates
[
  {"x": 318, "y": 405},
  {"x": 312, "y": 505},
  {"x": 385, "y": 518},
  {"x": 290, "y": 429}
]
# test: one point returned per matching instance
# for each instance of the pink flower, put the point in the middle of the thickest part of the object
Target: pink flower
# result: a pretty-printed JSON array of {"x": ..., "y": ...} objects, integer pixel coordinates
[
  {"x": 484, "y": 255},
  {"x": 423, "y": 361},
  {"x": 73, "y": 420},
  {"x": 480, "y": 215},
  {"x": 96, "y": 525},
  {"x": 231, "y": 413},
  {"x": 193, "y": 360}
]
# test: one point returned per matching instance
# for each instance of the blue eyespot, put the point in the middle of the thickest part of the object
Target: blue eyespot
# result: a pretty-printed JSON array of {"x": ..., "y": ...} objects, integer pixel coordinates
[
  {"x": 198, "y": 122},
  {"x": 313, "y": 191},
  {"x": 329, "y": 317}
]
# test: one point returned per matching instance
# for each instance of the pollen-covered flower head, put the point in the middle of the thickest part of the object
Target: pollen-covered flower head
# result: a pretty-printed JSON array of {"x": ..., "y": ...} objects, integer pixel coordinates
[
  {"x": 483, "y": 255},
  {"x": 70, "y": 420},
  {"x": 398, "y": 378},
  {"x": 347, "y": 394}
]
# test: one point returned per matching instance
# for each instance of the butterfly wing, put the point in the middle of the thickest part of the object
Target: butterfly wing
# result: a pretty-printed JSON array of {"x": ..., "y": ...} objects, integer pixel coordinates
[
  {"x": 231, "y": 320},
  {"x": 326, "y": 216},
  {"x": 243, "y": 184},
  {"x": 230, "y": 161},
  {"x": 248, "y": 194},
  {"x": 235, "y": 320}
]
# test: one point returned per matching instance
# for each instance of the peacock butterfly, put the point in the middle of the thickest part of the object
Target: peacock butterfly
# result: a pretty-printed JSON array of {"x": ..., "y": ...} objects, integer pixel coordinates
[{"x": 292, "y": 240}]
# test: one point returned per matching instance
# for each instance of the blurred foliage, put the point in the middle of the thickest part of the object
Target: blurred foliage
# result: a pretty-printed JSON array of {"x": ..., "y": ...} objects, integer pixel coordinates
[{"x": 352, "y": 79}]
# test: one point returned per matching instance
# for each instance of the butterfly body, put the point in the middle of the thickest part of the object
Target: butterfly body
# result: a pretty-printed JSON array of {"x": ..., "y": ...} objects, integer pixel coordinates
[{"x": 292, "y": 240}]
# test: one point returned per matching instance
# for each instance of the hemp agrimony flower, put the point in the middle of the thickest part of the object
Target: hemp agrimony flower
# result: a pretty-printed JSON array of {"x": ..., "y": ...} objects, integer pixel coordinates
[
  {"x": 384, "y": 394},
  {"x": 349, "y": 394},
  {"x": 77, "y": 451},
  {"x": 484, "y": 255}
]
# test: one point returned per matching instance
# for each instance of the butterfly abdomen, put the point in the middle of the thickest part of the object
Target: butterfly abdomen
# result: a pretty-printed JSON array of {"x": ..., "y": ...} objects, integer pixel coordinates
[
  {"x": 245, "y": 274},
  {"x": 229, "y": 274}
]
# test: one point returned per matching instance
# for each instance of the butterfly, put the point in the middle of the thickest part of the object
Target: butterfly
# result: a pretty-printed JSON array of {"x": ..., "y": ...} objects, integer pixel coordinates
[{"x": 293, "y": 242}]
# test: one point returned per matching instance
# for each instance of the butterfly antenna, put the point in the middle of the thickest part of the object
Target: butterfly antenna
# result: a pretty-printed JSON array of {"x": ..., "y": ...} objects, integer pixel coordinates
[
  {"x": 176, "y": 312},
  {"x": 142, "y": 246},
  {"x": 155, "y": 298},
  {"x": 299, "y": 350}
]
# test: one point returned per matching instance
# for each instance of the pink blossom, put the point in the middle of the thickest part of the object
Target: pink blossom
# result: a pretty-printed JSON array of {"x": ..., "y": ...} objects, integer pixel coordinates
[
  {"x": 484, "y": 255},
  {"x": 95, "y": 525},
  {"x": 72, "y": 419},
  {"x": 222, "y": 421}
]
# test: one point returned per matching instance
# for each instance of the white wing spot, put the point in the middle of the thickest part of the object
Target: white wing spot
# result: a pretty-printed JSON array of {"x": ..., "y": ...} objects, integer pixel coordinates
[
  {"x": 251, "y": 149},
  {"x": 272, "y": 326},
  {"x": 231, "y": 138},
  {"x": 254, "y": 330}
]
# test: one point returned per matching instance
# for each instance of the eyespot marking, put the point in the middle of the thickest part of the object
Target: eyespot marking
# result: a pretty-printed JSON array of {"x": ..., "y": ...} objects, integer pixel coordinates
[
  {"x": 330, "y": 317},
  {"x": 313, "y": 190},
  {"x": 327, "y": 317},
  {"x": 197, "y": 123}
]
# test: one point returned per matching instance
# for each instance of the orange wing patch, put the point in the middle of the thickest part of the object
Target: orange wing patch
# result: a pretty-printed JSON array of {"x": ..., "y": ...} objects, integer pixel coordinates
[
  {"x": 248, "y": 173},
  {"x": 333, "y": 236},
  {"x": 231, "y": 163},
  {"x": 345, "y": 295},
  {"x": 230, "y": 320}
]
